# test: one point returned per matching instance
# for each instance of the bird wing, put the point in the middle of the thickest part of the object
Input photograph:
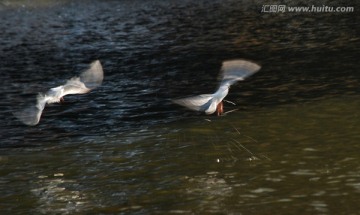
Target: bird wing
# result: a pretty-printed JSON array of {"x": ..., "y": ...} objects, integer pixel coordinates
[
  {"x": 31, "y": 115},
  {"x": 88, "y": 80},
  {"x": 93, "y": 77},
  {"x": 237, "y": 70},
  {"x": 197, "y": 103},
  {"x": 74, "y": 86}
]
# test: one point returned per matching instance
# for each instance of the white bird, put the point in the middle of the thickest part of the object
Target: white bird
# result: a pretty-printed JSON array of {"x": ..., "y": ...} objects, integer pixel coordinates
[
  {"x": 231, "y": 72},
  {"x": 88, "y": 80}
]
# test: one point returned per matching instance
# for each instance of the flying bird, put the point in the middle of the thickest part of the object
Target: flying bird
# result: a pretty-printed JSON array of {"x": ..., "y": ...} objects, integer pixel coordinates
[
  {"x": 231, "y": 72},
  {"x": 87, "y": 81}
]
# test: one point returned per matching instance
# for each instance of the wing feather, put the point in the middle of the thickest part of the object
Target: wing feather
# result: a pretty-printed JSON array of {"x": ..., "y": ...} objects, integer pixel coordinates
[
  {"x": 237, "y": 70},
  {"x": 75, "y": 86},
  {"x": 31, "y": 115},
  {"x": 197, "y": 103},
  {"x": 93, "y": 77}
]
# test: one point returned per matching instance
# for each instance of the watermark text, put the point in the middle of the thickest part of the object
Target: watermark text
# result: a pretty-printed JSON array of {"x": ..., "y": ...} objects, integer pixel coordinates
[{"x": 277, "y": 8}]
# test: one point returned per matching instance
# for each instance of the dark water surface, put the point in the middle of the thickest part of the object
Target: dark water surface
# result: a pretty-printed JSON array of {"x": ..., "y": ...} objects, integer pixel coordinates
[{"x": 291, "y": 147}]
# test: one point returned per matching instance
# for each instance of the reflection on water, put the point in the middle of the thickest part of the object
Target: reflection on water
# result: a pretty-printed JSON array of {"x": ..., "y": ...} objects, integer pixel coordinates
[
  {"x": 290, "y": 148},
  {"x": 56, "y": 196}
]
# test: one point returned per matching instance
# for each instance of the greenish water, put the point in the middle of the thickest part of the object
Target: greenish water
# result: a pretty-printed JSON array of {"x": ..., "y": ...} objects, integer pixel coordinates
[{"x": 290, "y": 159}]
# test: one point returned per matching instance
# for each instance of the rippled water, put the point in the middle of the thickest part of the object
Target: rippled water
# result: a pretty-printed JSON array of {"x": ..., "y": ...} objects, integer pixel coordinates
[{"x": 291, "y": 146}]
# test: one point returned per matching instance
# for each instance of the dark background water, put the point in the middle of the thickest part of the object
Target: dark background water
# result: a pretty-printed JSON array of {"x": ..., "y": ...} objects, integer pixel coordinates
[{"x": 125, "y": 147}]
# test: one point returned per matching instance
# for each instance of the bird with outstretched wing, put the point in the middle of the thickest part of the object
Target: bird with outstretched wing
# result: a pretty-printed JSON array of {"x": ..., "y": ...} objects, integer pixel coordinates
[
  {"x": 231, "y": 72},
  {"x": 88, "y": 80}
]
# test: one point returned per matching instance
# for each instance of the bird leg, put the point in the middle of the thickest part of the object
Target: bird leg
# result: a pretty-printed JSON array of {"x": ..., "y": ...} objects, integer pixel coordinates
[
  {"x": 220, "y": 109},
  {"x": 62, "y": 100}
]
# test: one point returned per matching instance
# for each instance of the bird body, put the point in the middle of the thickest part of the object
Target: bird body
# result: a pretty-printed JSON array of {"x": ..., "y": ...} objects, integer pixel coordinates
[
  {"x": 88, "y": 80},
  {"x": 72, "y": 86},
  {"x": 232, "y": 71}
]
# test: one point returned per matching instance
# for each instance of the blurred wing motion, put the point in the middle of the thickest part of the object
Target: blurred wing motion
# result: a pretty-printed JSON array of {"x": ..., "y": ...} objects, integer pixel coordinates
[
  {"x": 237, "y": 70},
  {"x": 88, "y": 80},
  {"x": 93, "y": 77},
  {"x": 31, "y": 115},
  {"x": 232, "y": 71}
]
